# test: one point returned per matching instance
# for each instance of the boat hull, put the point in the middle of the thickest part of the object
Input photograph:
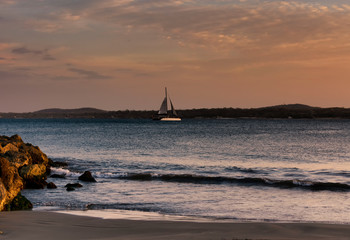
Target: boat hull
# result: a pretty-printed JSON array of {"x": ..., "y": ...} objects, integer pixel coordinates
[{"x": 169, "y": 119}]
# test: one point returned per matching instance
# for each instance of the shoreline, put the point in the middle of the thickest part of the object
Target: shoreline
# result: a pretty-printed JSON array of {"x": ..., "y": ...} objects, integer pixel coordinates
[
  {"x": 118, "y": 214},
  {"x": 52, "y": 225}
]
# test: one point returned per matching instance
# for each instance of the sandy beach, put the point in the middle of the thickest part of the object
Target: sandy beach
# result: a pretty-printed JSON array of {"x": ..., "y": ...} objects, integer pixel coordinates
[{"x": 51, "y": 225}]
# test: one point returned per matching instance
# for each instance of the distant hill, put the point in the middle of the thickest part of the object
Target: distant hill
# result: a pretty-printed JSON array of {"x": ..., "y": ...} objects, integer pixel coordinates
[
  {"x": 296, "y": 106},
  {"x": 298, "y": 111},
  {"x": 69, "y": 111}
]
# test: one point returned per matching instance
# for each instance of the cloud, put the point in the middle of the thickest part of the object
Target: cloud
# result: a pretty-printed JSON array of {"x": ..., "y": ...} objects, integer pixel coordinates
[
  {"x": 43, "y": 25},
  {"x": 88, "y": 74},
  {"x": 229, "y": 25},
  {"x": 8, "y": 76},
  {"x": 4, "y": 45},
  {"x": 24, "y": 50},
  {"x": 7, "y": 2},
  {"x": 42, "y": 53}
]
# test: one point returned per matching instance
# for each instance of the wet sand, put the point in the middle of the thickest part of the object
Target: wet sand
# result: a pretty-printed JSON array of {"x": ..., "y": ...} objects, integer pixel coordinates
[{"x": 50, "y": 225}]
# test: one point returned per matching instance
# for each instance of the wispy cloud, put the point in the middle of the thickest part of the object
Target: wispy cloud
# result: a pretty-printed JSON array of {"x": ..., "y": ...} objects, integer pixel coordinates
[
  {"x": 42, "y": 53},
  {"x": 231, "y": 26},
  {"x": 88, "y": 74}
]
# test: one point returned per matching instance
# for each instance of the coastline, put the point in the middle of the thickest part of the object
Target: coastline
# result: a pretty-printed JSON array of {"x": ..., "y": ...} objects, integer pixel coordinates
[
  {"x": 52, "y": 225},
  {"x": 285, "y": 111}
]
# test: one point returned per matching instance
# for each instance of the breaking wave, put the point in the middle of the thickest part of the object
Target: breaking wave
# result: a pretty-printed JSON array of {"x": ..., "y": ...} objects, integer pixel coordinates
[
  {"x": 250, "y": 181},
  {"x": 205, "y": 179}
]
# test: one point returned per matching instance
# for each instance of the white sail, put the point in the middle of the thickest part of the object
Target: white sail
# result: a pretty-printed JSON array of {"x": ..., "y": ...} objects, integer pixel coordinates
[
  {"x": 172, "y": 108},
  {"x": 164, "y": 107}
]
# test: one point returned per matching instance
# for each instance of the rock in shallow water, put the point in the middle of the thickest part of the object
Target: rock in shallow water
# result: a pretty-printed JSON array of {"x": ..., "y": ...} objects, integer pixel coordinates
[
  {"x": 69, "y": 189},
  {"x": 87, "y": 177},
  {"x": 51, "y": 185},
  {"x": 74, "y": 185},
  {"x": 58, "y": 164},
  {"x": 58, "y": 176}
]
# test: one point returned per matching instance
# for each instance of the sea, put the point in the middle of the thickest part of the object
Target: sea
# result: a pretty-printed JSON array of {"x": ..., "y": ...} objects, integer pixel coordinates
[{"x": 260, "y": 170}]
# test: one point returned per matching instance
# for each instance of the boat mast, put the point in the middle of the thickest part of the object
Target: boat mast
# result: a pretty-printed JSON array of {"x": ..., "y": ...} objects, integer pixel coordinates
[{"x": 166, "y": 99}]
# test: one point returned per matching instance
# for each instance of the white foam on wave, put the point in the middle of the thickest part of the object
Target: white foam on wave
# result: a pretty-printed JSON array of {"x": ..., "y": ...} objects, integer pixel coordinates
[
  {"x": 68, "y": 173},
  {"x": 64, "y": 171},
  {"x": 108, "y": 175},
  {"x": 302, "y": 183}
]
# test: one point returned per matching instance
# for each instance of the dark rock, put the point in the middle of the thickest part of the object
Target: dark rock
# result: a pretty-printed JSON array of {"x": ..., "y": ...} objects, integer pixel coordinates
[
  {"x": 50, "y": 162},
  {"x": 58, "y": 176},
  {"x": 87, "y": 177},
  {"x": 69, "y": 189},
  {"x": 74, "y": 185},
  {"x": 35, "y": 184},
  {"x": 51, "y": 185},
  {"x": 19, "y": 203},
  {"x": 58, "y": 164}
]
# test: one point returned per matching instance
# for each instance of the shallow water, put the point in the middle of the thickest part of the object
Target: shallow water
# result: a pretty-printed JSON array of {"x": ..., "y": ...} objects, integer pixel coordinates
[{"x": 258, "y": 170}]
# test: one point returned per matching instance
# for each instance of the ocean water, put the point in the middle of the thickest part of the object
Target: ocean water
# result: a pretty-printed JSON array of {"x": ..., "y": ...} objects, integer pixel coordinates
[{"x": 221, "y": 169}]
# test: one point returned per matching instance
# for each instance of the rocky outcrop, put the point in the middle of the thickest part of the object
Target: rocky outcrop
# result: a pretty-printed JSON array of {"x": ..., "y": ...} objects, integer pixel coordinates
[
  {"x": 10, "y": 182},
  {"x": 22, "y": 165}
]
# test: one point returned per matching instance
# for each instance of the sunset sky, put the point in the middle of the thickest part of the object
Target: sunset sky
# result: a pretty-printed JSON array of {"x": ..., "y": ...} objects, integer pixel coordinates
[{"x": 120, "y": 54}]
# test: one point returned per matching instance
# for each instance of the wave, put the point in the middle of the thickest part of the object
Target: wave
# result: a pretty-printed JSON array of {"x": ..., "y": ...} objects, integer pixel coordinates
[
  {"x": 64, "y": 172},
  {"x": 334, "y": 173},
  {"x": 244, "y": 170},
  {"x": 202, "y": 179},
  {"x": 250, "y": 181},
  {"x": 145, "y": 207}
]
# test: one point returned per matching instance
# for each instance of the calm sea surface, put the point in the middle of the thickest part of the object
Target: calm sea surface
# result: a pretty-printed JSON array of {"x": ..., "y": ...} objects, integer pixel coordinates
[{"x": 227, "y": 169}]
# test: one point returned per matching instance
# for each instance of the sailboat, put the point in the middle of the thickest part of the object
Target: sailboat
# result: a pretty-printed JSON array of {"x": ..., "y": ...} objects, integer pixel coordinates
[{"x": 164, "y": 114}]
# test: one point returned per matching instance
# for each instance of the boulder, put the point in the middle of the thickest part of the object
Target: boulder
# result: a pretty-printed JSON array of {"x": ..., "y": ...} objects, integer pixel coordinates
[
  {"x": 19, "y": 203},
  {"x": 58, "y": 176},
  {"x": 58, "y": 164},
  {"x": 69, "y": 189},
  {"x": 74, "y": 185},
  {"x": 87, "y": 177},
  {"x": 35, "y": 184}
]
